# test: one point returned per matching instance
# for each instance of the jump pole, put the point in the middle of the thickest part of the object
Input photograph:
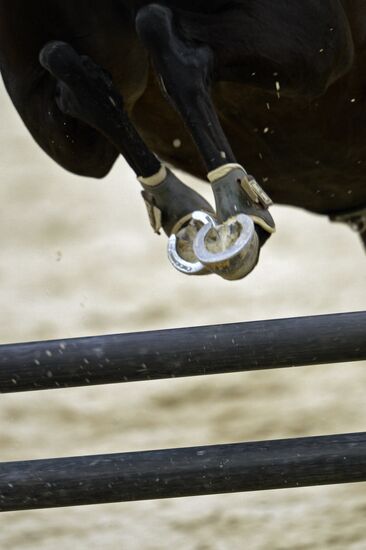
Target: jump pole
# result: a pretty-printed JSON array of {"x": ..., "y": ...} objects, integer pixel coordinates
[
  {"x": 183, "y": 352},
  {"x": 183, "y": 472}
]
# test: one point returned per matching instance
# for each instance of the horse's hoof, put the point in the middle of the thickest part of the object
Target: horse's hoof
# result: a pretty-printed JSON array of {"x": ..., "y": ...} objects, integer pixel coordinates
[
  {"x": 231, "y": 249},
  {"x": 180, "y": 245}
]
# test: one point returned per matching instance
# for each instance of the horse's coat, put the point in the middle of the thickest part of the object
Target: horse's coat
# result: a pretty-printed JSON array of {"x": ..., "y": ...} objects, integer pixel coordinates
[{"x": 287, "y": 80}]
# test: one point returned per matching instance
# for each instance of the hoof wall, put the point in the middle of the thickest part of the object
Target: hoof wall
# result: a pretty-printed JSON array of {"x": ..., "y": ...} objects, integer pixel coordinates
[
  {"x": 230, "y": 249},
  {"x": 204, "y": 246},
  {"x": 181, "y": 246}
]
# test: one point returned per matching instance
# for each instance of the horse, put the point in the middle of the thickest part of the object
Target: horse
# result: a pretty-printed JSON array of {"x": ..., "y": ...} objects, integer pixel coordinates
[{"x": 221, "y": 89}]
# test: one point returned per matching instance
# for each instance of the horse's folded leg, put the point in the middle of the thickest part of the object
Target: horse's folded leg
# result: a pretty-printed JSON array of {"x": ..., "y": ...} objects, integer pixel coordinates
[
  {"x": 185, "y": 73},
  {"x": 86, "y": 92}
]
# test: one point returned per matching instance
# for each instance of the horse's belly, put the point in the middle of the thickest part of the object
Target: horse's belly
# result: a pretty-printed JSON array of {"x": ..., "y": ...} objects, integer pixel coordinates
[{"x": 304, "y": 153}]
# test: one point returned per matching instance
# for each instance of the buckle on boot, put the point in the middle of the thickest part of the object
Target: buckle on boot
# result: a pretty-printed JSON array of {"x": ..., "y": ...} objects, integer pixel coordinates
[
  {"x": 255, "y": 191},
  {"x": 154, "y": 213},
  {"x": 249, "y": 184}
]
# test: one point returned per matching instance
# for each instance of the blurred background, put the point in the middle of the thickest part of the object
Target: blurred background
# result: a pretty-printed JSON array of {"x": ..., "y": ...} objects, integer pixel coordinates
[{"x": 78, "y": 258}]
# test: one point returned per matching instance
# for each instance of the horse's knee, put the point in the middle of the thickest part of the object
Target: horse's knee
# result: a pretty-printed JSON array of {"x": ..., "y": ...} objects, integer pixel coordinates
[
  {"x": 174, "y": 58},
  {"x": 73, "y": 145}
]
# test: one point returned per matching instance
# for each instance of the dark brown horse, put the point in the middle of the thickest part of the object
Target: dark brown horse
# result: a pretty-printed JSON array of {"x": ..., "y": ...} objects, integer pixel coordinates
[{"x": 210, "y": 86}]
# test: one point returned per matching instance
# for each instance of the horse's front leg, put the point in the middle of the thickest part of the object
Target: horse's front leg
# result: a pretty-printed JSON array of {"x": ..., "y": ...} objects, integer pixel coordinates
[
  {"x": 86, "y": 92},
  {"x": 295, "y": 48},
  {"x": 230, "y": 247}
]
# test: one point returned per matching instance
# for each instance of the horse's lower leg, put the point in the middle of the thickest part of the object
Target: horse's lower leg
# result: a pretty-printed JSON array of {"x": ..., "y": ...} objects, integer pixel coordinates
[
  {"x": 185, "y": 73},
  {"x": 87, "y": 93}
]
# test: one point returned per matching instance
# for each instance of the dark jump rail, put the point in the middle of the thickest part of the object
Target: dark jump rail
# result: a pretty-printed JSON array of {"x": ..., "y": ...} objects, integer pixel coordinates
[
  {"x": 183, "y": 352},
  {"x": 183, "y": 472},
  {"x": 192, "y": 471}
]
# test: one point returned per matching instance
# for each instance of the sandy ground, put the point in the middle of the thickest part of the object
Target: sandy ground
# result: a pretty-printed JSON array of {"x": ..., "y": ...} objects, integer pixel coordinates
[{"x": 78, "y": 258}]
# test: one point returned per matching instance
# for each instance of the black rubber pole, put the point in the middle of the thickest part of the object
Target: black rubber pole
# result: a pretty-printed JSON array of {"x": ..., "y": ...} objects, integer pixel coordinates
[
  {"x": 183, "y": 472},
  {"x": 183, "y": 352}
]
